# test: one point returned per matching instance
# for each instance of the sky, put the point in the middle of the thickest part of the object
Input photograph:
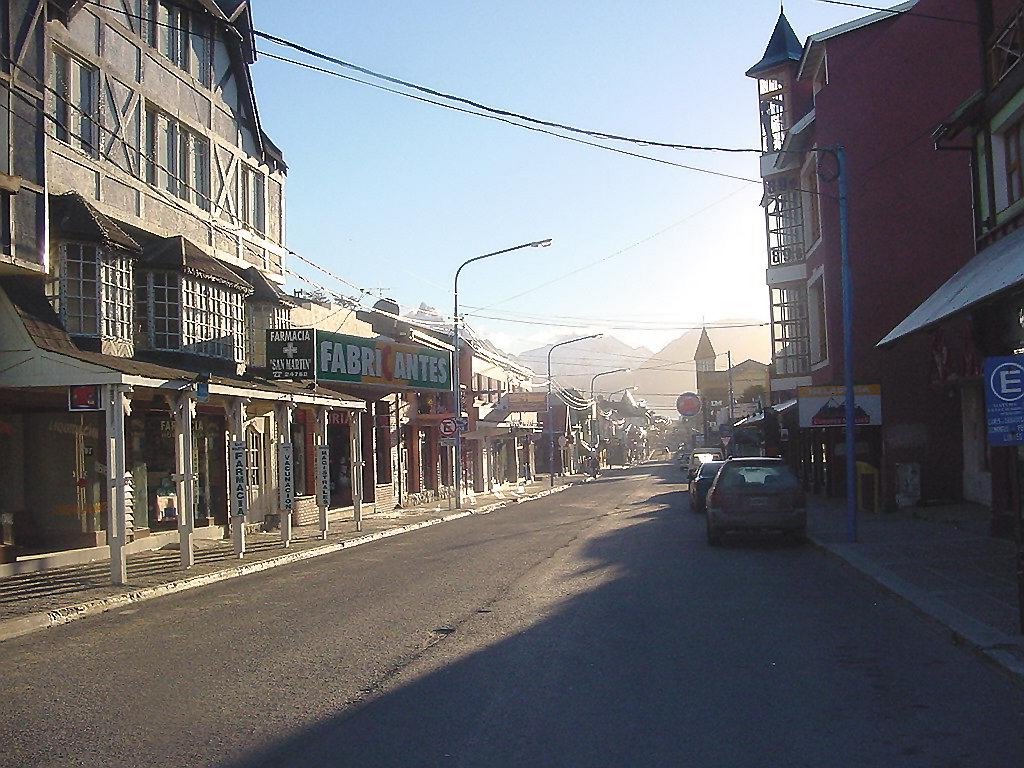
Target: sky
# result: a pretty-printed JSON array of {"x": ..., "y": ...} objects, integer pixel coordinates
[{"x": 392, "y": 194}]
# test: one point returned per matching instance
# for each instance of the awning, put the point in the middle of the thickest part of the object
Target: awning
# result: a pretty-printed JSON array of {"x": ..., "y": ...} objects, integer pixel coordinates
[
  {"x": 758, "y": 418},
  {"x": 994, "y": 270}
]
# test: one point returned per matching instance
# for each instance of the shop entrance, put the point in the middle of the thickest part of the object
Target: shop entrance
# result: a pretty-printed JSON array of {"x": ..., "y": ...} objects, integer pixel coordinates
[{"x": 339, "y": 440}]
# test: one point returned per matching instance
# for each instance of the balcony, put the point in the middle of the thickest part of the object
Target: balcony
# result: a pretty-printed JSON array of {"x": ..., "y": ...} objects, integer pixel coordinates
[{"x": 1007, "y": 47}]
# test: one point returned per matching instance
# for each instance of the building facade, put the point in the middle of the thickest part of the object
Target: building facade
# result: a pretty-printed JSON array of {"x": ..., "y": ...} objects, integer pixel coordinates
[
  {"x": 875, "y": 87},
  {"x": 130, "y": 401}
]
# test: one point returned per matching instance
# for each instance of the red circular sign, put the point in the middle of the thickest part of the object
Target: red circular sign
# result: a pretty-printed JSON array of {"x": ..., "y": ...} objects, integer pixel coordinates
[{"x": 688, "y": 404}]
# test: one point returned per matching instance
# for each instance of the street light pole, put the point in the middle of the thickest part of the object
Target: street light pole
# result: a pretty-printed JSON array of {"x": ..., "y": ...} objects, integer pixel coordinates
[
  {"x": 456, "y": 385},
  {"x": 593, "y": 401},
  {"x": 550, "y": 425}
]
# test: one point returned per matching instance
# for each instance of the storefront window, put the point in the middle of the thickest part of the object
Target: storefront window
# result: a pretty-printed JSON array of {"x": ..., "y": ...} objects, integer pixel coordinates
[{"x": 382, "y": 419}]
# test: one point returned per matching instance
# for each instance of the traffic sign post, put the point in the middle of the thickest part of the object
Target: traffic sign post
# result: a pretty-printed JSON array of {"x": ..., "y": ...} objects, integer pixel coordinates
[
  {"x": 448, "y": 427},
  {"x": 688, "y": 404},
  {"x": 1004, "y": 415}
]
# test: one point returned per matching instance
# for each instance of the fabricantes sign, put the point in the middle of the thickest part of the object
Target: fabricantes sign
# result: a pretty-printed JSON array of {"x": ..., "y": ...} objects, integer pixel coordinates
[
  {"x": 381, "y": 361},
  {"x": 826, "y": 406},
  {"x": 290, "y": 353},
  {"x": 308, "y": 354}
]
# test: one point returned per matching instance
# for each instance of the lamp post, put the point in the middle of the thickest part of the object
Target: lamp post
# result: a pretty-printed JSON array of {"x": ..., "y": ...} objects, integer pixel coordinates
[
  {"x": 550, "y": 426},
  {"x": 593, "y": 402},
  {"x": 456, "y": 390}
]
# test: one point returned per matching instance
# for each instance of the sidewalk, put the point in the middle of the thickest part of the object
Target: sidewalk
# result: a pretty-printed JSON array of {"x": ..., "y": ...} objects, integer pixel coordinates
[
  {"x": 943, "y": 561},
  {"x": 33, "y": 601}
]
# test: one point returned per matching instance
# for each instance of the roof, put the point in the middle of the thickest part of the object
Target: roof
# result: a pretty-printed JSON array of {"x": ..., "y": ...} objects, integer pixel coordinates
[
  {"x": 783, "y": 46},
  {"x": 705, "y": 349},
  {"x": 263, "y": 288},
  {"x": 994, "y": 270},
  {"x": 181, "y": 254},
  {"x": 72, "y": 217},
  {"x": 814, "y": 46}
]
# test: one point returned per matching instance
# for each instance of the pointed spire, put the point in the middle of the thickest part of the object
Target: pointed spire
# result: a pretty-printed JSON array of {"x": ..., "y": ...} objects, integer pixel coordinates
[
  {"x": 705, "y": 349},
  {"x": 784, "y": 46}
]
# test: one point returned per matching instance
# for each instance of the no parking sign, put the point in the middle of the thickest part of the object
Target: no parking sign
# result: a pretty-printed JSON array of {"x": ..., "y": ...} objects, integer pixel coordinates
[{"x": 1004, "y": 400}]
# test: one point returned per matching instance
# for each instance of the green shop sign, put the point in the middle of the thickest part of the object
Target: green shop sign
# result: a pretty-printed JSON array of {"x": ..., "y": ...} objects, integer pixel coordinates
[{"x": 381, "y": 361}]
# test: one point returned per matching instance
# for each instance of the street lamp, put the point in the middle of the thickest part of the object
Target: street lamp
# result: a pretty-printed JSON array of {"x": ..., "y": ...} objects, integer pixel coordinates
[
  {"x": 594, "y": 411},
  {"x": 551, "y": 431},
  {"x": 456, "y": 391}
]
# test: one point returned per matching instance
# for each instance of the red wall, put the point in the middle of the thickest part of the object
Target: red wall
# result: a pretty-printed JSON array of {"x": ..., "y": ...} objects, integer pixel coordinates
[{"x": 911, "y": 223}]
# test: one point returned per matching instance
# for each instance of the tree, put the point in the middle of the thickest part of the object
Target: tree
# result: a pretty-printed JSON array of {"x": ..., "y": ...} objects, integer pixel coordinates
[{"x": 754, "y": 393}]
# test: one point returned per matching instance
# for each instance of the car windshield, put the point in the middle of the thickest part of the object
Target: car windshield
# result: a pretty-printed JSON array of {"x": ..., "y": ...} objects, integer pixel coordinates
[
  {"x": 710, "y": 468},
  {"x": 758, "y": 477}
]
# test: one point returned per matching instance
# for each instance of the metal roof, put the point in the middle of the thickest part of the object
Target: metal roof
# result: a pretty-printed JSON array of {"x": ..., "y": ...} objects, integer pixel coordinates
[{"x": 994, "y": 270}]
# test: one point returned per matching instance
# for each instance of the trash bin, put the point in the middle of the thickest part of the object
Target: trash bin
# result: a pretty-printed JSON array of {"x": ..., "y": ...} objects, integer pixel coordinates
[{"x": 867, "y": 487}]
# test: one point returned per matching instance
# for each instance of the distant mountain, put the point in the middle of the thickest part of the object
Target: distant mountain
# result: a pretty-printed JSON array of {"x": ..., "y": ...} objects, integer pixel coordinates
[{"x": 574, "y": 365}]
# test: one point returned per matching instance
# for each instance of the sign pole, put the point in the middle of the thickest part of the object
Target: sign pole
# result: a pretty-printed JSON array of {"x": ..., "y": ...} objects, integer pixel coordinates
[{"x": 847, "y": 281}]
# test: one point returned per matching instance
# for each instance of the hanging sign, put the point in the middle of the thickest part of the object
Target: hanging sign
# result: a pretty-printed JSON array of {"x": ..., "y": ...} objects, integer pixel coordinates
[
  {"x": 1004, "y": 399},
  {"x": 84, "y": 398},
  {"x": 291, "y": 353},
  {"x": 826, "y": 406},
  {"x": 323, "y": 474},
  {"x": 286, "y": 476},
  {"x": 239, "y": 486}
]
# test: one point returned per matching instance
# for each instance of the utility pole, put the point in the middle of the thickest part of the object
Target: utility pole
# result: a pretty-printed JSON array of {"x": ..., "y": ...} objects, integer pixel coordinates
[{"x": 732, "y": 415}]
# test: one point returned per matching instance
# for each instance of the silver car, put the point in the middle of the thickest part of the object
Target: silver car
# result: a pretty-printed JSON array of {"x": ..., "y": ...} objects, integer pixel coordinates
[{"x": 756, "y": 494}]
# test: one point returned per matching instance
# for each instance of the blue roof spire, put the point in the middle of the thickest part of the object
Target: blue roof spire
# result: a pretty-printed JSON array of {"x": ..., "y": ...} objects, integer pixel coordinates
[{"x": 783, "y": 46}]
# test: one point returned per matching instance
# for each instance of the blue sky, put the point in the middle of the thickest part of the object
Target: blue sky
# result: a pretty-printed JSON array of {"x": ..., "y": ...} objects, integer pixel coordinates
[{"x": 391, "y": 193}]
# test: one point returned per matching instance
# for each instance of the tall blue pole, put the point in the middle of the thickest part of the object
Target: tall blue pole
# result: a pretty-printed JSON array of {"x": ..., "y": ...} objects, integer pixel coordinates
[{"x": 847, "y": 280}]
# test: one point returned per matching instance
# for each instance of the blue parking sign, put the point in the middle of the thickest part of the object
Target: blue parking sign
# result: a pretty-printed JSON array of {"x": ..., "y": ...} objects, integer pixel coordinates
[{"x": 1004, "y": 400}]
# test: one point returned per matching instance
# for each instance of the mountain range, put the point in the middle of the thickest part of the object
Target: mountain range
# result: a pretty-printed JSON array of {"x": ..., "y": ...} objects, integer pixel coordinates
[{"x": 659, "y": 377}]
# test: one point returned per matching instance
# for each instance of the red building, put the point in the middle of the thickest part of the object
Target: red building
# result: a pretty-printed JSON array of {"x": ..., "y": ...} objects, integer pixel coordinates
[{"x": 876, "y": 86}]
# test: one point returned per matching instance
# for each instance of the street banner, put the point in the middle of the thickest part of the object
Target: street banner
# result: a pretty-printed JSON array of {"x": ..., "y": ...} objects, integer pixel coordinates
[
  {"x": 1004, "y": 399},
  {"x": 323, "y": 476},
  {"x": 524, "y": 402},
  {"x": 239, "y": 480},
  {"x": 826, "y": 406},
  {"x": 286, "y": 476}
]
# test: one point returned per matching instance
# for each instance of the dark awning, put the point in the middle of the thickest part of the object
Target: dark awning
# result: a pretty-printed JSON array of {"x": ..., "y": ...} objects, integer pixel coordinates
[
  {"x": 72, "y": 217},
  {"x": 994, "y": 270}
]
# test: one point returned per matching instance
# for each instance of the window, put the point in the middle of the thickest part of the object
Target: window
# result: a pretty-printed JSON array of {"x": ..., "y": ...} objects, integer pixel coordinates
[
  {"x": 213, "y": 319},
  {"x": 165, "y": 310},
  {"x": 774, "y": 121},
  {"x": 784, "y": 217},
  {"x": 177, "y": 159},
  {"x": 183, "y": 36},
  {"x": 812, "y": 200},
  {"x": 1014, "y": 172},
  {"x": 76, "y": 102},
  {"x": 92, "y": 292},
  {"x": 790, "y": 342},
  {"x": 817, "y": 326},
  {"x": 251, "y": 198}
]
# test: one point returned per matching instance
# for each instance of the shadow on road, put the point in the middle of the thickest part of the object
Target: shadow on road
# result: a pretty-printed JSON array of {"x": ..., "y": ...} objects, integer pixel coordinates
[{"x": 668, "y": 653}]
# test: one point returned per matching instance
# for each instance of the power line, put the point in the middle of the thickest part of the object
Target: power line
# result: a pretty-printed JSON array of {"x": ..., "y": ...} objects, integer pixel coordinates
[
  {"x": 895, "y": 12},
  {"x": 604, "y": 147}
]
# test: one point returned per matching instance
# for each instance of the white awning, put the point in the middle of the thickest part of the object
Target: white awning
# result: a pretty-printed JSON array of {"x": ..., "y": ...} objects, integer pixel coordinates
[{"x": 994, "y": 270}]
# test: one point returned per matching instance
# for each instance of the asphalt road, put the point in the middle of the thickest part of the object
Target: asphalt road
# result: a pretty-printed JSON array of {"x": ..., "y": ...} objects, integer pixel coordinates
[{"x": 593, "y": 628}]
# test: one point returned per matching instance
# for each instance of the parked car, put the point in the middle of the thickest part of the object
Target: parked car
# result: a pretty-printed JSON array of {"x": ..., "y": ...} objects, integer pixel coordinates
[
  {"x": 701, "y": 455},
  {"x": 756, "y": 494},
  {"x": 701, "y": 484}
]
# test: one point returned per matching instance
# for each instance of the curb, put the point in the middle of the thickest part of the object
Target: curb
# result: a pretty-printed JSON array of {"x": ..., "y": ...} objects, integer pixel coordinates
[
  {"x": 23, "y": 625},
  {"x": 983, "y": 641}
]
